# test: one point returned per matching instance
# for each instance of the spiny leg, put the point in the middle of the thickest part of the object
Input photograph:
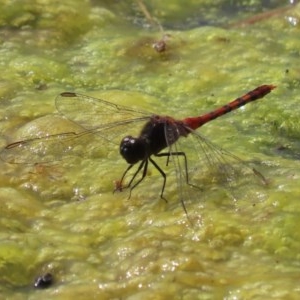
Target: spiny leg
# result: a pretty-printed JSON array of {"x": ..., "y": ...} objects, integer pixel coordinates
[
  {"x": 119, "y": 186},
  {"x": 144, "y": 165},
  {"x": 163, "y": 174},
  {"x": 168, "y": 154},
  {"x": 141, "y": 165}
]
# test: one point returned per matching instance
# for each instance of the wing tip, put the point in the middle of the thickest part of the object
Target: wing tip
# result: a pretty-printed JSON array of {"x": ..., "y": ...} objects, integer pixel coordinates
[{"x": 68, "y": 94}]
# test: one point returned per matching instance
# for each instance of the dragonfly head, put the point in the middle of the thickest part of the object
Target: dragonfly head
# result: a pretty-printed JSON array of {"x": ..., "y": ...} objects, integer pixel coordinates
[{"x": 133, "y": 149}]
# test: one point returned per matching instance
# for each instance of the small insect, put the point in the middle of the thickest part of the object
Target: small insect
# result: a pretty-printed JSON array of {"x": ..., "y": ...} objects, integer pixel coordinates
[{"x": 105, "y": 119}]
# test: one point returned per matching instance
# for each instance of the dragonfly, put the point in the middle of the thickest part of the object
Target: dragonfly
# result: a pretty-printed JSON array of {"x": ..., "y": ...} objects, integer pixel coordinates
[{"x": 109, "y": 121}]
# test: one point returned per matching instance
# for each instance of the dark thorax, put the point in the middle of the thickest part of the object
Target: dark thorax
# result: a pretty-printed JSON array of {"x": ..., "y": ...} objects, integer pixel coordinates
[{"x": 157, "y": 134}]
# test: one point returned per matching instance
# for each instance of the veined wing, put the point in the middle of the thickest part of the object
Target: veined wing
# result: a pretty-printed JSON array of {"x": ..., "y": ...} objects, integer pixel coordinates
[
  {"x": 47, "y": 148},
  {"x": 91, "y": 113},
  {"x": 224, "y": 167},
  {"x": 99, "y": 122},
  {"x": 206, "y": 165}
]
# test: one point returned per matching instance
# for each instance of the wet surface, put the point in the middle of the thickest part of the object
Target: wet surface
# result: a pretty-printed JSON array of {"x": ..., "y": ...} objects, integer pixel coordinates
[{"x": 62, "y": 217}]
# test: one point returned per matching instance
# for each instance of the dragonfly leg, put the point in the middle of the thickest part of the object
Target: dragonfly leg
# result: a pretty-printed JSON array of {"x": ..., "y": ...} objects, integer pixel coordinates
[
  {"x": 119, "y": 186},
  {"x": 163, "y": 174},
  {"x": 143, "y": 165},
  {"x": 182, "y": 154}
]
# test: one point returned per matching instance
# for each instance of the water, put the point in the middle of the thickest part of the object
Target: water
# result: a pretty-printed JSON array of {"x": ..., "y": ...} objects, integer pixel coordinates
[{"x": 64, "y": 219}]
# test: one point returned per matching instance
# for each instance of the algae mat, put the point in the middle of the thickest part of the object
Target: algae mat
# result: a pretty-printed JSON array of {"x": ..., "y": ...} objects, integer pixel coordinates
[{"x": 61, "y": 217}]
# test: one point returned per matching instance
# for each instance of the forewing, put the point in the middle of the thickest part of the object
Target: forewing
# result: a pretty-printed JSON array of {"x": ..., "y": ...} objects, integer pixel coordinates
[
  {"x": 91, "y": 113},
  {"x": 42, "y": 149},
  {"x": 100, "y": 123}
]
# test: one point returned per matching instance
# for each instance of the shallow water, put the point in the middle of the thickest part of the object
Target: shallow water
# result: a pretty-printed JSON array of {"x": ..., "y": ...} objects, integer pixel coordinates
[{"x": 61, "y": 217}]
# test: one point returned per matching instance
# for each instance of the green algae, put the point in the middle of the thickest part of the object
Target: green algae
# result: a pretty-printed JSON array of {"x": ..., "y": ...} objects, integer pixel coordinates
[{"x": 63, "y": 218}]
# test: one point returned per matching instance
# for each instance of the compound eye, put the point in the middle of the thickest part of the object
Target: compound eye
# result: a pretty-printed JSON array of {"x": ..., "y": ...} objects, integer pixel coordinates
[{"x": 132, "y": 149}]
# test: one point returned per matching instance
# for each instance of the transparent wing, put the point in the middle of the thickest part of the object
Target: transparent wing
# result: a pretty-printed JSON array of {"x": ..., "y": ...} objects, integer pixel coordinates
[
  {"x": 98, "y": 123},
  {"x": 42, "y": 149},
  {"x": 214, "y": 165},
  {"x": 91, "y": 113},
  {"x": 178, "y": 157},
  {"x": 200, "y": 164}
]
